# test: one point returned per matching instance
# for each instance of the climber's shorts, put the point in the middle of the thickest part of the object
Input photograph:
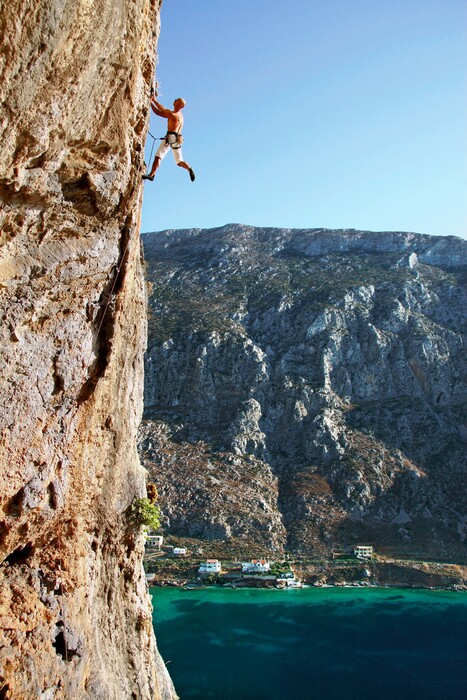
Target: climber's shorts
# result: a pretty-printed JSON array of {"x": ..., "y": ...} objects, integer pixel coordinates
[{"x": 168, "y": 144}]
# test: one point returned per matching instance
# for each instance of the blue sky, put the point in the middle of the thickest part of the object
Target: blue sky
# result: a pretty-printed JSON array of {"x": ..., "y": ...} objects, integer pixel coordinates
[{"x": 314, "y": 113}]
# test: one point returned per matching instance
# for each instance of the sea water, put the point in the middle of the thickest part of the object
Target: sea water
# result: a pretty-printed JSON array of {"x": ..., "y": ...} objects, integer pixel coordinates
[{"x": 313, "y": 644}]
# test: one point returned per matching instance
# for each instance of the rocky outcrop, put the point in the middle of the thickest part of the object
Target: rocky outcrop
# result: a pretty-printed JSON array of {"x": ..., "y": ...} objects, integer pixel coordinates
[
  {"x": 333, "y": 358},
  {"x": 212, "y": 495},
  {"x": 74, "y": 612}
]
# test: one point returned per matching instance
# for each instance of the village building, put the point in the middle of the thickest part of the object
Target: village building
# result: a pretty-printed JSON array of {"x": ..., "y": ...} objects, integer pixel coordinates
[
  {"x": 256, "y": 566},
  {"x": 286, "y": 575},
  {"x": 287, "y": 579},
  {"x": 179, "y": 552},
  {"x": 210, "y": 566},
  {"x": 293, "y": 583},
  {"x": 363, "y": 551},
  {"x": 154, "y": 541}
]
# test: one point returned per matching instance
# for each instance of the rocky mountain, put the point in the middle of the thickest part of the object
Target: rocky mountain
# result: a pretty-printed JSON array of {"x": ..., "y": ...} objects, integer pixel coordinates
[
  {"x": 306, "y": 388},
  {"x": 75, "y": 615}
]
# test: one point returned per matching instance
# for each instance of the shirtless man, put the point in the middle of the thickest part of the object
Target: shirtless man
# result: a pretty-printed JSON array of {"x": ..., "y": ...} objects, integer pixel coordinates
[{"x": 173, "y": 139}]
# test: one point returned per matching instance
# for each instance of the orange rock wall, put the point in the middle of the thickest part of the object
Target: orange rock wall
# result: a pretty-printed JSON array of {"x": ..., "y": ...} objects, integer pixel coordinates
[{"x": 74, "y": 91}]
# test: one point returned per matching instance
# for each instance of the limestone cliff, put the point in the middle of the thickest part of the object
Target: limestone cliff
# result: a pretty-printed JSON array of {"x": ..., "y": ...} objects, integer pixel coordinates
[
  {"x": 329, "y": 365},
  {"x": 74, "y": 611}
]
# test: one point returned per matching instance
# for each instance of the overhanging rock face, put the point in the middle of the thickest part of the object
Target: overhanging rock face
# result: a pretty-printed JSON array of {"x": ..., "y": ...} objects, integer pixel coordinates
[{"x": 75, "y": 614}]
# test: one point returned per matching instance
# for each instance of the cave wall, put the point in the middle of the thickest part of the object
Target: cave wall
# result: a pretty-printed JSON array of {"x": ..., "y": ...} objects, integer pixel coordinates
[{"x": 75, "y": 618}]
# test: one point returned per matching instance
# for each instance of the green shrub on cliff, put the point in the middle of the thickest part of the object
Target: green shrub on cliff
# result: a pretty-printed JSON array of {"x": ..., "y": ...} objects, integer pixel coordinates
[{"x": 143, "y": 513}]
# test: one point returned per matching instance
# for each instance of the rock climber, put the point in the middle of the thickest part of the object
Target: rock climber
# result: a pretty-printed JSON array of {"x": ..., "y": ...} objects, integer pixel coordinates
[{"x": 173, "y": 138}]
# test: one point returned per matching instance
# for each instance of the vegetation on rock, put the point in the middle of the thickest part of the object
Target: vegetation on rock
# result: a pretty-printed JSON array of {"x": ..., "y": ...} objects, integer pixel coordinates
[{"x": 144, "y": 513}]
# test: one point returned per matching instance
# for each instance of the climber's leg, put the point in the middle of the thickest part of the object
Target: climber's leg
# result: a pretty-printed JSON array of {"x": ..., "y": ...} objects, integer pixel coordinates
[
  {"x": 160, "y": 154},
  {"x": 155, "y": 165},
  {"x": 181, "y": 163},
  {"x": 184, "y": 165}
]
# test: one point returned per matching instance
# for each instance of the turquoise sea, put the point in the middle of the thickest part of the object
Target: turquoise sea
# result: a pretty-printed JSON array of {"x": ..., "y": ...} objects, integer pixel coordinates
[{"x": 313, "y": 644}]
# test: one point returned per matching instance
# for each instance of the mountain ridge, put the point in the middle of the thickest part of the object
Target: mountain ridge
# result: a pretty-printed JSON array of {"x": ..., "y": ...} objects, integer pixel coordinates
[
  {"x": 323, "y": 355},
  {"x": 353, "y": 237}
]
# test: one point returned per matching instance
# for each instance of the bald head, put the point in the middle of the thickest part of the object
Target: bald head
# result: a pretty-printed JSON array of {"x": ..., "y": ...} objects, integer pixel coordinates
[{"x": 179, "y": 104}]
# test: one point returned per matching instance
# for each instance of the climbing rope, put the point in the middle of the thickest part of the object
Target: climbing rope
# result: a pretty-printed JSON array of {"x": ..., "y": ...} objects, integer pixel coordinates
[
  {"x": 111, "y": 292},
  {"x": 60, "y": 561},
  {"x": 152, "y": 147},
  {"x": 101, "y": 322},
  {"x": 154, "y": 139}
]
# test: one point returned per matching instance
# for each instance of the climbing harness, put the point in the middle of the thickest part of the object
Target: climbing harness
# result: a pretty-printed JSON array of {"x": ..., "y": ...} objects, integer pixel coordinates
[{"x": 173, "y": 139}]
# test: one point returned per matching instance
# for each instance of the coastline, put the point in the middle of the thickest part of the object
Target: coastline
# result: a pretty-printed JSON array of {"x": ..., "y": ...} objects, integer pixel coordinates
[{"x": 380, "y": 572}]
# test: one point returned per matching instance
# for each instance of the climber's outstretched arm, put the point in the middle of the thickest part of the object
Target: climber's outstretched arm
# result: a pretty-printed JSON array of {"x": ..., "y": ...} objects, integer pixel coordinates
[{"x": 158, "y": 109}]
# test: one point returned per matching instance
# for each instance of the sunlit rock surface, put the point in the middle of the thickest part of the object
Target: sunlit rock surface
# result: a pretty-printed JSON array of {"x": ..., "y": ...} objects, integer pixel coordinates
[
  {"x": 75, "y": 615},
  {"x": 333, "y": 359}
]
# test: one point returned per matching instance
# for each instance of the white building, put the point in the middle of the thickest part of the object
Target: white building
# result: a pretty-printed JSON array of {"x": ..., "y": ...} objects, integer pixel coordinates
[
  {"x": 293, "y": 583},
  {"x": 179, "y": 552},
  {"x": 288, "y": 578},
  {"x": 154, "y": 541},
  {"x": 363, "y": 551},
  {"x": 256, "y": 566},
  {"x": 210, "y": 566},
  {"x": 286, "y": 575}
]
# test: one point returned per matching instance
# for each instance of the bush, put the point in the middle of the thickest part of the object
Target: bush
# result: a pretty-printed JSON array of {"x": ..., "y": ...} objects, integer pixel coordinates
[{"x": 143, "y": 513}]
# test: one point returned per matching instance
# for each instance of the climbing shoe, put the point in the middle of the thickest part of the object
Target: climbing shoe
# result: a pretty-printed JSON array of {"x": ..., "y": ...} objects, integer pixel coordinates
[
  {"x": 192, "y": 175},
  {"x": 150, "y": 177}
]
